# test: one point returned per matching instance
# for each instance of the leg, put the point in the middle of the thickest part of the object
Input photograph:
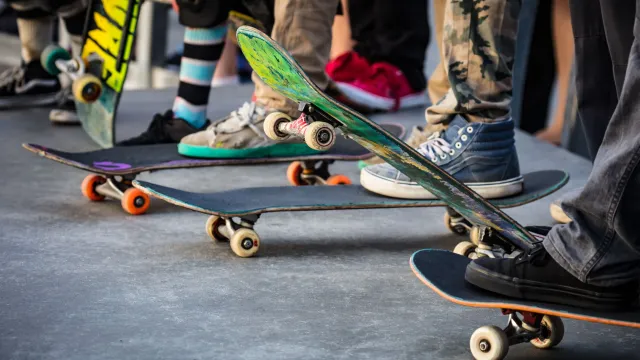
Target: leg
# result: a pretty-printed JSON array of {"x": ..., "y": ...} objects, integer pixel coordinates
[
  {"x": 341, "y": 40},
  {"x": 438, "y": 82}
]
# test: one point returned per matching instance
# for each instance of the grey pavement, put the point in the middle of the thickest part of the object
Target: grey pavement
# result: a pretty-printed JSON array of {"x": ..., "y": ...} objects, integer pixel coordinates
[{"x": 81, "y": 280}]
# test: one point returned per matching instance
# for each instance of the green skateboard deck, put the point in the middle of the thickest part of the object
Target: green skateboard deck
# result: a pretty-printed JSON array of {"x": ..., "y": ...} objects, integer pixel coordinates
[
  {"x": 282, "y": 73},
  {"x": 246, "y": 205}
]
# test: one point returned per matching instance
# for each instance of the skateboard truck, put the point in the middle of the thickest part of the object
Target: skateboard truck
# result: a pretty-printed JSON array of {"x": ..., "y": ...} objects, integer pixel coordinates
[
  {"x": 542, "y": 331},
  {"x": 314, "y": 126},
  {"x": 244, "y": 241},
  {"x": 133, "y": 201},
  {"x": 485, "y": 242},
  {"x": 86, "y": 87}
]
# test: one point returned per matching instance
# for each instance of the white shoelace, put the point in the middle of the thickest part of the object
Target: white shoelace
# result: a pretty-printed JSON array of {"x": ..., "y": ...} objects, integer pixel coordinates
[
  {"x": 239, "y": 119},
  {"x": 436, "y": 146}
]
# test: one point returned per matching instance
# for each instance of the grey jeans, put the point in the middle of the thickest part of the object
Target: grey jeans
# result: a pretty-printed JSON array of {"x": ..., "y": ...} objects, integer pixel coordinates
[{"x": 601, "y": 246}]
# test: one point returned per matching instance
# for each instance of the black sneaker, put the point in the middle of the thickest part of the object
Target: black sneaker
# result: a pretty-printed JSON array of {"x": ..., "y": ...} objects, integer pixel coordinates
[
  {"x": 64, "y": 112},
  {"x": 164, "y": 129},
  {"x": 536, "y": 276},
  {"x": 28, "y": 85}
]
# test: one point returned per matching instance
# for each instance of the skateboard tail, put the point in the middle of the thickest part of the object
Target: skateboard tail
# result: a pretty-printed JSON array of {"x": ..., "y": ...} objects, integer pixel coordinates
[{"x": 281, "y": 72}]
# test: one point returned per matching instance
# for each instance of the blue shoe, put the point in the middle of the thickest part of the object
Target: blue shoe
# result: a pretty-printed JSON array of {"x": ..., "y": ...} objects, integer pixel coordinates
[{"x": 481, "y": 155}]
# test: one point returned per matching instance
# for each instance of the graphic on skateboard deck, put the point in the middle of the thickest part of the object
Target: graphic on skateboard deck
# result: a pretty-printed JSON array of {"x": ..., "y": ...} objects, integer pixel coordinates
[
  {"x": 234, "y": 213},
  {"x": 114, "y": 168},
  {"x": 99, "y": 73},
  {"x": 322, "y": 114},
  {"x": 529, "y": 321}
]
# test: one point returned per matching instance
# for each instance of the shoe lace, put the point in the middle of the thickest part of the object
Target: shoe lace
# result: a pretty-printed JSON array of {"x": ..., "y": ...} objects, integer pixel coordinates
[
  {"x": 11, "y": 77},
  {"x": 435, "y": 146},
  {"x": 243, "y": 117},
  {"x": 157, "y": 125},
  {"x": 533, "y": 255}
]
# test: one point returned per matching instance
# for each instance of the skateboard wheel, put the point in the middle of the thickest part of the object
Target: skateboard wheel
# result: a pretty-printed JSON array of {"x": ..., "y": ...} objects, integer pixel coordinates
[
  {"x": 338, "y": 180},
  {"x": 87, "y": 88},
  {"x": 175, "y": 6},
  {"x": 212, "y": 228},
  {"x": 320, "y": 136},
  {"x": 49, "y": 56},
  {"x": 466, "y": 249},
  {"x": 551, "y": 332},
  {"x": 456, "y": 229},
  {"x": 245, "y": 243},
  {"x": 89, "y": 185},
  {"x": 293, "y": 174},
  {"x": 271, "y": 124},
  {"x": 489, "y": 343},
  {"x": 135, "y": 202}
]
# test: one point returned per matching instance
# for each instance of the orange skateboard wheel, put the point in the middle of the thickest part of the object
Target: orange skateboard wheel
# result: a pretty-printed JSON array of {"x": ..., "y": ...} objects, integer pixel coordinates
[
  {"x": 135, "y": 202},
  {"x": 174, "y": 4},
  {"x": 88, "y": 187},
  {"x": 293, "y": 174},
  {"x": 338, "y": 180}
]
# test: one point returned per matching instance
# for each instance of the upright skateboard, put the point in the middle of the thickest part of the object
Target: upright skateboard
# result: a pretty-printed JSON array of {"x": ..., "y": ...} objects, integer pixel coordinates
[
  {"x": 537, "y": 323},
  {"x": 99, "y": 74},
  {"x": 234, "y": 213},
  {"x": 114, "y": 169},
  {"x": 322, "y": 114}
]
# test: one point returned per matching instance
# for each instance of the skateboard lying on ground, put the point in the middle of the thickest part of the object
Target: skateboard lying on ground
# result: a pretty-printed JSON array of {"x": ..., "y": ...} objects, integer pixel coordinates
[
  {"x": 529, "y": 321},
  {"x": 115, "y": 168},
  {"x": 322, "y": 114},
  {"x": 246, "y": 205},
  {"x": 99, "y": 74}
]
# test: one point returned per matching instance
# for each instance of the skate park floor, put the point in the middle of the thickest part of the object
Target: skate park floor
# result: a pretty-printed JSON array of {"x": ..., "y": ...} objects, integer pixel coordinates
[{"x": 81, "y": 280}]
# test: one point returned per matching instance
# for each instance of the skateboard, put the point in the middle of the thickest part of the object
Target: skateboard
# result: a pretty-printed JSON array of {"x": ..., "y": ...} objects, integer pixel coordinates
[
  {"x": 98, "y": 75},
  {"x": 321, "y": 115},
  {"x": 234, "y": 213},
  {"x": 114, "y": 168},
  {"x": 535, "y": 322}
]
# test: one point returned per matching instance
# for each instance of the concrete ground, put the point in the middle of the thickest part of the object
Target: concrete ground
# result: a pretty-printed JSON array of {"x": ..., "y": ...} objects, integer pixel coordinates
[{"x": 81, "y": 280}]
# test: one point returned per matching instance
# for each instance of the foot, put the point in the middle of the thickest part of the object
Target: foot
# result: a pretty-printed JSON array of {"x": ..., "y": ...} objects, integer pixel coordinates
[
  {"x": 481, "y": 155},
  {"x": 28, "y": 85},
  {"x": 164, "y": 129},
  {"x": 348, "y": 67},
  {"x": 419, "y": 135},
  {"x": 536, "y": 276},
  {"x": 241, "y": 135},
  {"x": 65, "y": 111},
  {"x": 385, "y": 88}
]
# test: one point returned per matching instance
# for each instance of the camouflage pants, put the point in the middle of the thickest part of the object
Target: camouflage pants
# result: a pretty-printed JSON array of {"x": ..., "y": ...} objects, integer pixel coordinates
[{"x": 478, "y": 46}]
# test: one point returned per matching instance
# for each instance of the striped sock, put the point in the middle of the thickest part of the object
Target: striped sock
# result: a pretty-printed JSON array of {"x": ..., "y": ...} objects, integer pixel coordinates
[{"x": 202, "y": 49}]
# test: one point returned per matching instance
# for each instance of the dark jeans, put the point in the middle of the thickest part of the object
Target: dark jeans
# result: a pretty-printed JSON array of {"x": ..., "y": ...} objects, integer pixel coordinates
[
  {"x": 393, "y": 32},
  {"x": 601, "y": 246}
]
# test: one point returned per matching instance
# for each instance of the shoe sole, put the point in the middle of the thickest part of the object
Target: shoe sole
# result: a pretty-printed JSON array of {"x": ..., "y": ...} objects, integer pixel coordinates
[
  {"x": 413, "y": 191},
  {"x": 376, "y": 102},
  {"x": 275, "y": 150},
  {"x": 535, "y": 291},
  {"x": 558, "y": 214},
  {"x": 29, "y": 101}
]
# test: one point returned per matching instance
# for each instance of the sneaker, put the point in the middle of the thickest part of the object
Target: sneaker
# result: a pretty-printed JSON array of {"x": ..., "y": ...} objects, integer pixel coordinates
[
  {"x": 28, "y": 85},
  {"x": 536, "y": 276},
  {"x": 348, "y": 67},
  {"x": 241, "y": 135},
  {"x": 481, "y": 155},
  {"x": 65, "y": 112},
  {"x": 419, "y": 135},
  {"x": 385, "y": 88},
  {"x": 164, "y": 129}
]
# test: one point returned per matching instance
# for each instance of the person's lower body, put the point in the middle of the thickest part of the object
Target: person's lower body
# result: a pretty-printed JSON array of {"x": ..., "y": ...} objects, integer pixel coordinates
[
  {"x": 593, "y": 261},
  {"x": 303, "y": 28},
  {"x": 477, "y": 147},
  {"x": 385, "y": 69},
  {"x": 29, "y": 84},
  {"x": 204, "y": 40}
]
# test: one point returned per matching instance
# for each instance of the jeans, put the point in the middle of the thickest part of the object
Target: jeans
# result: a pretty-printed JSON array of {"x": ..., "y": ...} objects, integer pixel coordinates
[{"x": 601, "y": 246}]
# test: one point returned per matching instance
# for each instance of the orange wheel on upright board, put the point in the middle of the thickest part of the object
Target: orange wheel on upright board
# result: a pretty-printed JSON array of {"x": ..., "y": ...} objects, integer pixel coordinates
[
  {"x": 88, "y": 187},
  {"x": 338, "y": 180},
  {"x": 174, "y": 4},
  {"x": 135, "y": 202},
  {"x": 293, "y": 174}
]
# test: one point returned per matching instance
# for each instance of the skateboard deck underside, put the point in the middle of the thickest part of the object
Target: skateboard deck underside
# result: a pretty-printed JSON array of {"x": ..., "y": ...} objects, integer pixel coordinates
[
  {"x": 443, "y": 272},
  {"x": 258, "y": 200},
  {"x": 136, "y": 159},
  {"x": 282, "y": 73},
  {"x": 109, "y": 34}
]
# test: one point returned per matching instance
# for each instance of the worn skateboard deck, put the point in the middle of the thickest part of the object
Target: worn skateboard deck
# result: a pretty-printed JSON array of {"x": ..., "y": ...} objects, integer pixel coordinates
[
  {"x": 249, "y": 203},
  {"x": 443, "y": 272},
  {"x": 283, "y": 74},
  {"x": 132, "y": 160},
  {"x": 109, "y": 35}
]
